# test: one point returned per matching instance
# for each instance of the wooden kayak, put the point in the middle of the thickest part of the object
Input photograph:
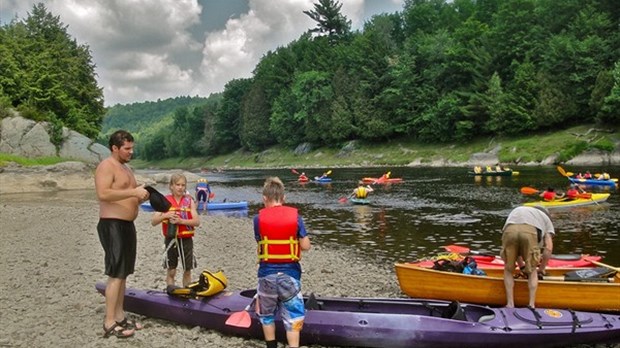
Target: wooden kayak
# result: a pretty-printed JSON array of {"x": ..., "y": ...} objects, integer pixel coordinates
[
  {"x": 565, "y": 203},
  {"x": 494, "y": 265},
  {"x": 384, "y": 322},
  {"x": 489, "y": 290}
]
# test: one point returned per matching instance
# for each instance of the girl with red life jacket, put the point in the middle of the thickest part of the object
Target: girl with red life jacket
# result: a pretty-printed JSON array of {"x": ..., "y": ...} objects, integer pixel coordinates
[
  {"x": 178, "y": 225},
  {"x": 281, "y": 236}
]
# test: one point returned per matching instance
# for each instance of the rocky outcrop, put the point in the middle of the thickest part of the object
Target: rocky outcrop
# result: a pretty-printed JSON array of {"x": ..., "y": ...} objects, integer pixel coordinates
[
  {"x": 23, "y": 137},
  {"x": 72, "y": 175}
]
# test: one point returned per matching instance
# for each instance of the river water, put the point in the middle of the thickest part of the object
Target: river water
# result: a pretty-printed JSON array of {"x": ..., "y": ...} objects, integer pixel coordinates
[{"x": 431, "y": 208}]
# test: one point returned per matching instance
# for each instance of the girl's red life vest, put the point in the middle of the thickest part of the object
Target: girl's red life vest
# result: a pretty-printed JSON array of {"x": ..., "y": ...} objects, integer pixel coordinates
[
  {"x": 548, "y": 195},
  {"x": 184, "y": 210},
  {"x": 277, "y": 227}
]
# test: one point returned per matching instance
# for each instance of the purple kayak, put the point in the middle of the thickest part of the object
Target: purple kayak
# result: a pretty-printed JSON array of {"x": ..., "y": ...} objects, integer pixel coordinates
[{"x": 387, "y": 322}]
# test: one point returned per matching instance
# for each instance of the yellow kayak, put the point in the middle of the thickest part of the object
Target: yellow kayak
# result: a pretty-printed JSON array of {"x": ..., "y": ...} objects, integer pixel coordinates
[{"x": 565, "y": 202}]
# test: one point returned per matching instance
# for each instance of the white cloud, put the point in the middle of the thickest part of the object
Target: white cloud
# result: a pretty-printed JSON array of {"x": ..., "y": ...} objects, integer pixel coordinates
[{"x": 144, "y": 49}]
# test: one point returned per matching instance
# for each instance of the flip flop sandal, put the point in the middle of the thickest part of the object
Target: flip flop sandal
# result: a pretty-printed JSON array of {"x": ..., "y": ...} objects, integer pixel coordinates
[
  {"x": 129, "y": 324},
  {"x": 112, "y": 331}
]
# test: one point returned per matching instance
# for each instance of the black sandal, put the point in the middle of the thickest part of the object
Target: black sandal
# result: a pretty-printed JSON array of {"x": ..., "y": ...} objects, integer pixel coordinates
[
  {"x": 129, "y": 324},
  {"x": 112, "y": 331}
]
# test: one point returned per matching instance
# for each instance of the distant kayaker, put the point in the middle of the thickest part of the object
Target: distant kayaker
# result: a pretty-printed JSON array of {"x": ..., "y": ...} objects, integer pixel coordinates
[
  {"x": 574, "y": 192},
  {"x": 587, "y": 175},
  {"x": 361, "y": 191},
  {"x": 303, "y": 177},
  {"x": 550, "y": 195},
  {"x": 526, "y": 232},
  {"x": 281, "y": 236},
  {"x": 203, "y": 191},
  {"x": 325, "y": 175},
  {"x": 178, "y": 225},
  {"x": 119, "y": 198}
]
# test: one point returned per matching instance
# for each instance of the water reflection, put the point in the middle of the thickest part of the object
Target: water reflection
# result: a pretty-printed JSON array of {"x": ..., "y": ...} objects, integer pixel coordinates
[{"x": 430, "y": 208}]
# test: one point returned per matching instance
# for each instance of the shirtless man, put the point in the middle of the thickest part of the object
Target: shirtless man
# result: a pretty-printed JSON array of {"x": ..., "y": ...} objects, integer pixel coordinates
[{"x": 119, "y": 198}]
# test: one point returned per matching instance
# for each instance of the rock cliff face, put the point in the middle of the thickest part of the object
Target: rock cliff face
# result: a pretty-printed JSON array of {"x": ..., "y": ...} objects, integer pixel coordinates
[{"x": 27, "y": 138}]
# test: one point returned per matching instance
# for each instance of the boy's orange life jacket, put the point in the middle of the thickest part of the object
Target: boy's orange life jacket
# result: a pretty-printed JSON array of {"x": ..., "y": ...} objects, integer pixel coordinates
[
  {"x": 183, "y": 209},
  {"x": 277, "y": 227}
]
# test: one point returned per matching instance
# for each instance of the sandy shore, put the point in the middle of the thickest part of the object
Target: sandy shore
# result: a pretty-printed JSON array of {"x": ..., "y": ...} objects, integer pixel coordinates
[{"x": 50, "y": 260}]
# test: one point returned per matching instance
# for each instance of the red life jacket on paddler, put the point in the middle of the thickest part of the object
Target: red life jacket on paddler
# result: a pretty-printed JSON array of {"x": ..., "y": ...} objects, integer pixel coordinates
[
  {"x": 277, "y": 227},
  {"x": 184, "y": 210},
  {"x": 572, "y": 193},
  {"x": 549, "y": 195}
]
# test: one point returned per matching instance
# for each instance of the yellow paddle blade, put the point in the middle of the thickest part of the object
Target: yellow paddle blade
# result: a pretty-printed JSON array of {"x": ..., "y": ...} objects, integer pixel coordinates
[
  {"x": 561, "y": 170},
  {"x": 570, "y": 173},
  {"x": 329, "y": 172},
  {"x": 515, "y": 173}
]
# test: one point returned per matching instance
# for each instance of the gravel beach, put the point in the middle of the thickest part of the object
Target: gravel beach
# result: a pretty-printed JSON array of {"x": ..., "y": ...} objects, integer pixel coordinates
[{"x": 50, "y": 259}]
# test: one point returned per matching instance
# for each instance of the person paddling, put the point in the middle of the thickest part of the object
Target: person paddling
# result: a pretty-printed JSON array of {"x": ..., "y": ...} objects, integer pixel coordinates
[
  {"x": 550, "y": 195},
  {"x": 361, "y": 191}
]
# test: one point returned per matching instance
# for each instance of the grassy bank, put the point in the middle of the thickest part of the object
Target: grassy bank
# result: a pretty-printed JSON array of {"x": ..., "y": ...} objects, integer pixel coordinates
[
  {"x": 566, "y": 144},
  {"x": 39, "y": 161}
]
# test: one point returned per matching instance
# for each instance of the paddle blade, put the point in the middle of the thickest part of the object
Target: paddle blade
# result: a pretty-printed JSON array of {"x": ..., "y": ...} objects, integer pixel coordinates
[
  {"x": 561, "y": 170},
  {"x": 295, "y": 172},
  {"x": 529, "y": 190},
  {"x": 342, "y": 199},
  {"x": 239, "y": 319},
  {"x": 329, "y": 172},
  {"x": 211, "y": 195}
]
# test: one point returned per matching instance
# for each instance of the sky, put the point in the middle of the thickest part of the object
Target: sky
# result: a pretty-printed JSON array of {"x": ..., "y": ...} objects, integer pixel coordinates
[{"x": 146, "y": 50}]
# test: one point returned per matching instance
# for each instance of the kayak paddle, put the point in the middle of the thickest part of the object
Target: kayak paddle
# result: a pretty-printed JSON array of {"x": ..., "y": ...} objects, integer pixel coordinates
[
  {"x": 563, "y": 172},
  {"x": 343, "y": 199},
  {"x": 459, "y": 249},
  {"x": 529, "y": 190},
  {"x": 241, "y": 319},
  {"x": 294, "y": 171},
  {"x": 617, "y": 269}
]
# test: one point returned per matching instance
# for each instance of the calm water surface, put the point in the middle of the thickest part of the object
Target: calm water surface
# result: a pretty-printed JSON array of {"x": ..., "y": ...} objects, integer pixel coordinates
[{"x": 432, "y": 207}]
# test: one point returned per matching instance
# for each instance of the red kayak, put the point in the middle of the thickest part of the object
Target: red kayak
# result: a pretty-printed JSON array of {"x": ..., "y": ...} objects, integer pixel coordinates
[
  {"x": 381, "y": 181},
  {"x": 561, "y": 263}
]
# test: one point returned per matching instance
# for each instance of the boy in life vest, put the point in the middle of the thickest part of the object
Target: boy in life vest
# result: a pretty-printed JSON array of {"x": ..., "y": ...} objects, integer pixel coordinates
[
  {"x": 362, "y": 190},
  {"x": 281, "y": 236},
  {"x": 178, "y": 225},
  {"x": 203, "y": 191}
]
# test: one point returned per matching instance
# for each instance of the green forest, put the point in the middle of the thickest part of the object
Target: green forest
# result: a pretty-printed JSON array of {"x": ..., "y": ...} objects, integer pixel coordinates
[{"x": 436, "y": 72}]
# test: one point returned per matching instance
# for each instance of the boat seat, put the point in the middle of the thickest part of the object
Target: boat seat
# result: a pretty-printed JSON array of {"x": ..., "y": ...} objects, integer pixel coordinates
[
  {"x": 312, "y": 303},
  {"x": 454, "y": 311},
  {"x": 486, "y": 318}
]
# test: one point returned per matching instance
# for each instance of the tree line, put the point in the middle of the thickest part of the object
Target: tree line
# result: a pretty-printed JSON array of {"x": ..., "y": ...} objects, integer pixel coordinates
[
  {"x": 437, "y": 71},
  {"x": 48, "y": 76}
]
